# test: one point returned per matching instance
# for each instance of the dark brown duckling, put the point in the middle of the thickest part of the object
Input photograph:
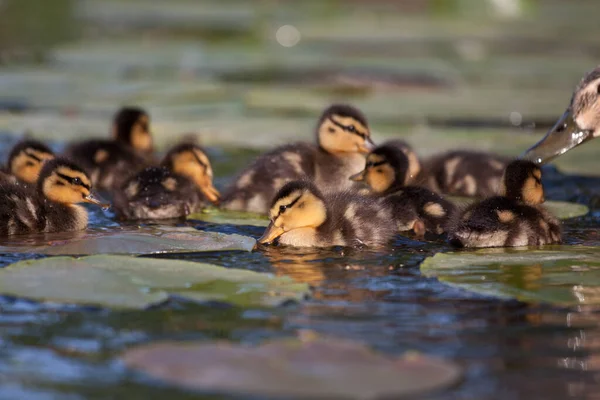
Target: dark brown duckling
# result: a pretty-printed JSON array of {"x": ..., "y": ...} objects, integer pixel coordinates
[
  {"x": 51, "y": 206},
  {"x": 110, "y": 162},
  {"x": 25, "y": 161},
  {"x": 302, "y": 216},
  {"x": 514, "y": 218},
  {"x": 181, "y": 185},
  {"x": 415, "y": 208},
  {"x": 343, "y": 138},
  {"x": 463, "y": 173}
]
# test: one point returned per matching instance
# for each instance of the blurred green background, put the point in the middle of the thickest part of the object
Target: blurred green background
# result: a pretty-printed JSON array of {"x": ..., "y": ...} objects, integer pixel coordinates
[{"x": 487, "y": 74}]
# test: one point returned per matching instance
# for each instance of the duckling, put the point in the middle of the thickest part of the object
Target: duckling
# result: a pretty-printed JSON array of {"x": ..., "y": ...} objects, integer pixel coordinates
[
  {"x": 579, "y": 124},
  {"x": 414, "y": 164},
  {"x": 302, "y": 216},
  {"x": 52, "y": 205},
  {"x": 464, "y": 173},
  {"x": 182, "y": 184},
  {"x": 343, "y": 137},
  {"x": 110, "y": 162},
  {"x": 514, "y": 218},
  {"x": 25, "y": 162},
  {"x": 414, "y": 208}
]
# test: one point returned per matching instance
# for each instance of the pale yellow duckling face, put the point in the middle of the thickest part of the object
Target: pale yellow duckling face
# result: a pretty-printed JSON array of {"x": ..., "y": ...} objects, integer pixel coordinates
[
  {"x": 131, "y": 125},
  {"x": 579, "y": 123},
  {"x": 63, "y": 182},
  {"x": 27, "y": 159},
  {"x": 522, "y": 181},
  {"x": 297, "y": 208},
  {"x": 190, "y": 161},
  {"x": 385, "y": 167},
  {"x": 344, "y": 129}
]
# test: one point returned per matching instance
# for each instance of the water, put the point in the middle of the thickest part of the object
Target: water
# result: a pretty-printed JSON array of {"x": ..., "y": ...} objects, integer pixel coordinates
[{"x": 444, "y": 74}]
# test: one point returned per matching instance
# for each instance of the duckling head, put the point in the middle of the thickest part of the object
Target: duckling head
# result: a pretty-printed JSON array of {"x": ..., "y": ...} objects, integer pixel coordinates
[
  {"x": 189, "y": 160},
  {"x": 344, "y": 129},
  {"x": 579, "y": 123},
  {"x": 298, "y": 205},
  {"x": 387, "y": 166},
  {"x": 27, "y": 158},
  {"x": 131, "y": 125},
  {"x": 522, "y": 181},
  {"x": 62, "y": 181}
]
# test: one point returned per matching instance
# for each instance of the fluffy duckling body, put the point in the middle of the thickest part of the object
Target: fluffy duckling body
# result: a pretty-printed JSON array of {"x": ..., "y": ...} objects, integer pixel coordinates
[
  {"x": 579, "y": 124},
  {"x": 302, "y": 216},
  {"x": 25, "y": 162},
  {"x": 464, "y": 173},
  {"x": 52, "y": 205},
  {"x": 515, "y": 218},
  {"x": 181, "y": 185},
  {"x": 110, "y": 162},
  {"x": 343, "y": 139},
  {"x": 415, "y": 208}
]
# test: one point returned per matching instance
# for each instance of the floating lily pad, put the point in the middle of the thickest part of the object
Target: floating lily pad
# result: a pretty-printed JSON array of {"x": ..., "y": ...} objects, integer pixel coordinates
[
  {"x": 131, "y": 282},
  {"x": 564, "y": 275},
  {"x": 319, "y": 368},
  {"x": 217, "y": 216},
  {"x": 141, "y": 241},
  {"x": 560, "y": 209}
]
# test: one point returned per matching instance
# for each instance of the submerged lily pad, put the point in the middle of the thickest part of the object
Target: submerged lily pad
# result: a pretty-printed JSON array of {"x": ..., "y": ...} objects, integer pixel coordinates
[
  {"x": 560, "y": 209},
  {"x": 564, "y": 275},
  {"x": 141, "y": 241},
  {"x": 217, "y": 216},
  {"x": 318, "y": 368},
  {"x": 132, "y": 282}
]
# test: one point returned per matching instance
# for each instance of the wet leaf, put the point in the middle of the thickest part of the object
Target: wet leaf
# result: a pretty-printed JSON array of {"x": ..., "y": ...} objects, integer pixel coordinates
[
  {"x": 141, "y": 241},
  {"x": 217, "y": 216},
  {"x": 316, "y": 368},
  {"x": 132, "y": 282},
  {"x": 560, "y": 209},
  {"x": 565, "y": 275}
]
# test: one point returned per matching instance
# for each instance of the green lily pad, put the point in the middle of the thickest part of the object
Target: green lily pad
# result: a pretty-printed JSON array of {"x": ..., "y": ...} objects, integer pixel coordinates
[
  {"x": 318, "y": 368},
  {"x": 560, "y": 209},
  {"x": 565, "y": 275},
  {"x": 127, "y": 282},
  {"x": 140, "y": 241},
  {"x": 218, "y": 216}
]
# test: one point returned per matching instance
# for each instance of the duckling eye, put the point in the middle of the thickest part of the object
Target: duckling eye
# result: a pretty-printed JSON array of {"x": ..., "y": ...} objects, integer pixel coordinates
[
  {"x": 351, "y": 128},
  {"x": 282, "y": 209},
  {"x": 76, "y": 181},
  {"x": 29, "y": 163},
  {"x": 379, "y": 170},
  {"x": 598, "y": 89}
]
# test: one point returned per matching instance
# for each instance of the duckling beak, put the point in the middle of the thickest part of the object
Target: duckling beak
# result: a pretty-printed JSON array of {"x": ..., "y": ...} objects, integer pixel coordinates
[
  {"x": 211, "y": 193},
  {"x": 271, "y": 233},
  {"x": 359, "y": 177},
  {"x": 563, "y": 136},
  {"x": 97, "y": 200},
  {"x": 367, "y": 146}
]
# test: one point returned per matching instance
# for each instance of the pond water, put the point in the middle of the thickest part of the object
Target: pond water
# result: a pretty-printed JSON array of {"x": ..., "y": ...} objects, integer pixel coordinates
[{"x": 447, "y": 78}]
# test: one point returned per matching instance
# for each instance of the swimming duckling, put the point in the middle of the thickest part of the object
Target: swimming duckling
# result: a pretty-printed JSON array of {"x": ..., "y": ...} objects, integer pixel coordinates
[
  {"x": 52, "y": 205},
  {"x": 515, "y": 218},
  {"x": 464, "y": 173},
  {"x": 25, "y": 162},
  {"x": 579, "y": 123},
  {"x": 180, "y": 186},
  {"x": 302, "y": 216},
  {"x": 110, "y": 162},
  {"x": 415, "y": 208},
  {"x": 343, "y": 137}
]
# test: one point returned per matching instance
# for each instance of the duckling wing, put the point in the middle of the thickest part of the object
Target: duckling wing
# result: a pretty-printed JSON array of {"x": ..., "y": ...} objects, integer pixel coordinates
[
  {"x": 355, "y": 220},
  {"x": 20, "y": 210},
  {"x": 464, "y": 173},
  {"x": 255, "y": 187}
]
